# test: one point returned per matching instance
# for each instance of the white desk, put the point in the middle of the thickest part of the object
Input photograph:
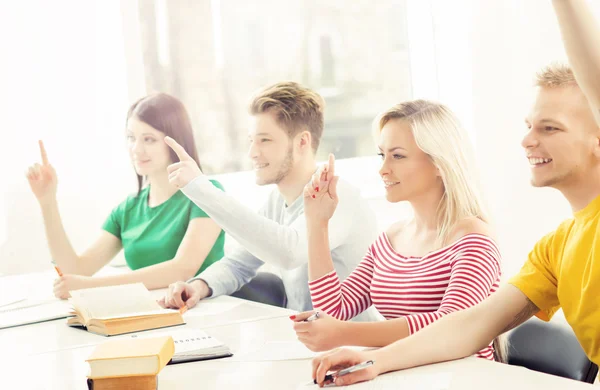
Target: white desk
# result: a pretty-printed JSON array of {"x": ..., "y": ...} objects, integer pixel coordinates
[{"x": 52, "y": 356}]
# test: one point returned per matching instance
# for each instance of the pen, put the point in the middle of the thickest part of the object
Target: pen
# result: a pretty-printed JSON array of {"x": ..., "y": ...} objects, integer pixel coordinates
[
  {"x": 58, "y": 271},
  {"x": 345, "y": 371},
  {"x": 312, "y": 318}
]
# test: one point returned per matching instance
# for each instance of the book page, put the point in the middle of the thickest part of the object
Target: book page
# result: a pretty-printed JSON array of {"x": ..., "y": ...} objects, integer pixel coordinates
[{"x": 126, "y": 300}]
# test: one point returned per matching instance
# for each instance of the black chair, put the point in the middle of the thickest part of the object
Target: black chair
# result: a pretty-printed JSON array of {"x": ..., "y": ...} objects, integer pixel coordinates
[
  {"x": 264, "y": 288},
  {"x": 549, "y": 348}
]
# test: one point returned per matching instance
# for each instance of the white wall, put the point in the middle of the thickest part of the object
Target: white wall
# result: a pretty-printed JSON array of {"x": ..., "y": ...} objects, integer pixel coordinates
[
  {"x": 2, "y": 219},
  {"x": 510, "y": 40},
  {"x": 65, "y": 83},
  {"x": 515, "y": 38}
]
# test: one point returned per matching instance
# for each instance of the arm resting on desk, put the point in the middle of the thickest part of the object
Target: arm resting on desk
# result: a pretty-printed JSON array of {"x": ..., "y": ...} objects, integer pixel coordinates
[{"x": 459, "y": 334}]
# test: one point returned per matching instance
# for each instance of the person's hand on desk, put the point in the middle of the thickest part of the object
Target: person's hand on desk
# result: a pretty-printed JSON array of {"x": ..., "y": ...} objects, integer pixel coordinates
[
  {"x": 321, "y": 334},
  {"x": 184, "y": 171},
  {"x": 343, "y": 358},
  {"x": 65, "y": 283},
  {"x": 181, "y": 294}
]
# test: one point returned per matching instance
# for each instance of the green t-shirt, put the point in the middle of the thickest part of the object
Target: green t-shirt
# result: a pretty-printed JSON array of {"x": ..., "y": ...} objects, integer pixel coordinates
[{"x": 151, "y": 235}]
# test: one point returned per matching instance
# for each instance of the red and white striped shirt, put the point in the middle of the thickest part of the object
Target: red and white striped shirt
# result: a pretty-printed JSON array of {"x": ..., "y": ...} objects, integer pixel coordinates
[{"x": 419, "y": 289}]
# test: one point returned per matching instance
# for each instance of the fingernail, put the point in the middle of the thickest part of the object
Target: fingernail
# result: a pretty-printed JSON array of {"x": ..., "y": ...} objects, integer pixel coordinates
[
  {"x": 317, "y": 189},
  {"x": 314, "y": 197},
  {"x": 292, "y": 317}
]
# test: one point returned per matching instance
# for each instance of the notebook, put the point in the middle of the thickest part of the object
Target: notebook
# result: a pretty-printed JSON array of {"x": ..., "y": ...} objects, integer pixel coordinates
[
  {"x": 31, "y": 312},
  {"x": 10, "y": 295},
  {"x": 120, "y": 309},
  {"x": 130, "y": 357},
  {"x": 193, "y": 345}
]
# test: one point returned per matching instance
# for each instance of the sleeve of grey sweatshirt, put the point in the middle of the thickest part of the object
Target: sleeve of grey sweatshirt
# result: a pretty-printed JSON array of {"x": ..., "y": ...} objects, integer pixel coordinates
[
  {"x": 229, "y": 274},
  {"x": 279, "y": 245}
]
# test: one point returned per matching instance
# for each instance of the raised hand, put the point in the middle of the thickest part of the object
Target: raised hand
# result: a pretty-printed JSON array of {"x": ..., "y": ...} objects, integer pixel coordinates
[
  {"x": 320, "y": 194},
  {"x": 42, "y": 178},
  {"x": 184, "y": 171}
]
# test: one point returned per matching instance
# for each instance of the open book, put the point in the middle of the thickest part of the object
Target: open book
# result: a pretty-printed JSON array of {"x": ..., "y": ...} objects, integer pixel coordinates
[{"x": 121, "y": 309}]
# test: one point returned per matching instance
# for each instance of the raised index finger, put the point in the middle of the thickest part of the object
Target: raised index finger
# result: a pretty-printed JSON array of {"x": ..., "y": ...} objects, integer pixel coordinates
[
  {"x": 178, "y": 149},
  {"x": 331, "y": 170},
  {"x": 43, "y": 153}
]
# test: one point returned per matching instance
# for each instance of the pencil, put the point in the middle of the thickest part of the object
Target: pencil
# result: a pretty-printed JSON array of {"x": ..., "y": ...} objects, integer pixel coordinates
[
  {"x": 183, "y": 309},
  {"x": 58, "y": 271}
]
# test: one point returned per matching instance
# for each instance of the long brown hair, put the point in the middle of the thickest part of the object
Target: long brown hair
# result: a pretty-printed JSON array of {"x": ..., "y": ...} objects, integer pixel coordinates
[{"x": 168, "y": 115}]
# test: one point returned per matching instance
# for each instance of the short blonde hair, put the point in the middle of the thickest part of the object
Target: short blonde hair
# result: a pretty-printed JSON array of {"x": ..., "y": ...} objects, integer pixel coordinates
[
  {"x": 555, "y": 75},
  {"x": 297, "y": 108},
  {"x": 439, "y": 134}
]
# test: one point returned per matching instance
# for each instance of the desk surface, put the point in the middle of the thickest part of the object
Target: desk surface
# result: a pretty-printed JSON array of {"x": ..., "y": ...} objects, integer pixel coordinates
[{"x": 52, "y": 355}]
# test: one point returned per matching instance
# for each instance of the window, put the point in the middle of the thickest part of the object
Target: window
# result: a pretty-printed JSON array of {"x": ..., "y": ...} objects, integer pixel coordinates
[{"x": 214, "y": 54}]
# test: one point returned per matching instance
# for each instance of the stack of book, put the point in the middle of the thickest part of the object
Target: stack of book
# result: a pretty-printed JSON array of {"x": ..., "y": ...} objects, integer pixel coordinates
[{"x": 131, "y": 364}]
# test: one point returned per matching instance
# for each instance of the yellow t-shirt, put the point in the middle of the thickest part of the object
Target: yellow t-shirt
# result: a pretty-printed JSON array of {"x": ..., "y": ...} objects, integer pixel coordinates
[{"x": 563, "y": 270}]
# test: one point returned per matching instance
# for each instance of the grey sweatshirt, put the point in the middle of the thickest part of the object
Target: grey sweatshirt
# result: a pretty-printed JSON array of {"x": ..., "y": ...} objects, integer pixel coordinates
[{"x": 277, "y": 235}]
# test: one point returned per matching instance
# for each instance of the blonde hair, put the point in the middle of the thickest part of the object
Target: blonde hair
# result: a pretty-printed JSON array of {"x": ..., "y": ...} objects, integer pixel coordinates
[
  {"x": 296, "y": 108},
  {"x": 555, "y": 75},
  {"x": 439, "y": 134}
]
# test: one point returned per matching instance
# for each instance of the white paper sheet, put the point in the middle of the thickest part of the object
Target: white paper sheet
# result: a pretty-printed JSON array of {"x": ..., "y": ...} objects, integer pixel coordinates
[
  {"x": 227, "y": 312},
  {"x": 212, "y": 307},
  {"x": 281, "y": 350},
  {"x": 277, "y": 350},
  {"x": 33, "y": 314},
  {"x": 34, "y": 286},
  {"x": 7, "y": 300}
]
